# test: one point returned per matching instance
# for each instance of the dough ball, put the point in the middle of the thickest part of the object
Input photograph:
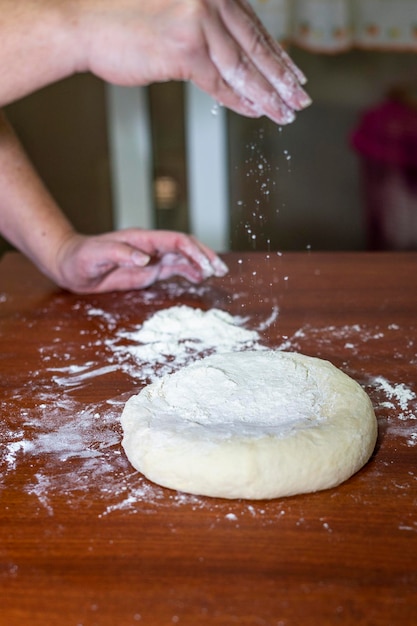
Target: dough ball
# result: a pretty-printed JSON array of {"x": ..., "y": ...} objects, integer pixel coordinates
[{"x": 254, "y": 424}]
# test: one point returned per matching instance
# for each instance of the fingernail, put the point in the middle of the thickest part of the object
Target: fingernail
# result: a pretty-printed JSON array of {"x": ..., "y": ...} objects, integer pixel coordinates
[
  {"x": 301, "y": 77},
  {"x": 220, "y": 268},
  {"x": 216, "y": 267},
  {"x": 290, "y": 91},
  {"x": 204, "y": 266},
  {"x": 303, "y": 98},
  {"x": 140, "y": 259},
  {"x": 285, "y": 114},
  {"x": 287, "y": 117}
]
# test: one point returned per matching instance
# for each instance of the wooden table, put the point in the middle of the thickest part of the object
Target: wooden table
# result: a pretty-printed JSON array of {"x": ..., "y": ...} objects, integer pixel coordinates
[{"x": 86, "y": 540}]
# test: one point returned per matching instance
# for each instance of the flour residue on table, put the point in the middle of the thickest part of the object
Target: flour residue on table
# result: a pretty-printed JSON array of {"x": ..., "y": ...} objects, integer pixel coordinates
[
  {"x": 82, "y": 442},
  {"x": 395, "y": 402}
]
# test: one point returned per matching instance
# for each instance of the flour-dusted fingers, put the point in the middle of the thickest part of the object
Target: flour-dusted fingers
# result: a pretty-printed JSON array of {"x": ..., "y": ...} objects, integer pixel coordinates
[
  {"x": 172, "y": 264},
  {"x": 158, "y": 243},
  {"x": 232, "y": 79},
  {"x": 220, "y": 45},
  {"x": 276, "y": 48},
  {"x": 208, "y": 262},
  {"x": 261, "y": 70}
]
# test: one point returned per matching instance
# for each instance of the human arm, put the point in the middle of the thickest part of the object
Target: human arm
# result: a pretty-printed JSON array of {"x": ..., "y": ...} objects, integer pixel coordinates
[
  {"x": 220, "y": 45},
  {"x": 127, "y": 259}
]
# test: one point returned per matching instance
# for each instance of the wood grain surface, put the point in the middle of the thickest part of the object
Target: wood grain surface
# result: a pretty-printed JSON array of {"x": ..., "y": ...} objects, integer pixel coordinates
[{"x": 85, "y": 540}]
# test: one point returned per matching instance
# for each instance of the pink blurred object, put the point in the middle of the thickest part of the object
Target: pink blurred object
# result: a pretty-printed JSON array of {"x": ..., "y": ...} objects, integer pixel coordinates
[{"x": 386, "y": 140}]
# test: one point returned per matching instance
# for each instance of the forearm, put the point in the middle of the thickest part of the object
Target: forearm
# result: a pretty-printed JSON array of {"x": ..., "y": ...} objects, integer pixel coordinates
[
  {"x": 37, "y": 45},
  {"x": 29, "y": 217}
]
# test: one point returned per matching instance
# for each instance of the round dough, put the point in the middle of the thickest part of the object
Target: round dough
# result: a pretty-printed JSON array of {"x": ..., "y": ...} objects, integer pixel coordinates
[{"x": 256, "y": 424}]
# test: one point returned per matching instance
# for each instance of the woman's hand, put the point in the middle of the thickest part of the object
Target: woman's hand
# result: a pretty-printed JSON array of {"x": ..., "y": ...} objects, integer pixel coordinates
[
  {"x": 220, "y": 45},
  {"x": 125, "y": 259},
  {"x": 132, "y": 259}
]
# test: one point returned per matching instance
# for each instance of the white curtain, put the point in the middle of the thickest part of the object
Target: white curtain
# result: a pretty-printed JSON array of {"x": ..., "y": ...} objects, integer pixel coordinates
[{"x": 338, "y": 25}]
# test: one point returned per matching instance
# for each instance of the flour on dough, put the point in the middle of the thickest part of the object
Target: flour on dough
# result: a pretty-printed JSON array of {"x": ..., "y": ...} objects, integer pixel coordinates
[{"x": 255, "y": 424}]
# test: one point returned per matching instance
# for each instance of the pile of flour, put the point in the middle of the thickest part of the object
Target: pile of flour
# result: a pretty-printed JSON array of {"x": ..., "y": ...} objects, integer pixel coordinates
[{"x": 172, "y": 337}]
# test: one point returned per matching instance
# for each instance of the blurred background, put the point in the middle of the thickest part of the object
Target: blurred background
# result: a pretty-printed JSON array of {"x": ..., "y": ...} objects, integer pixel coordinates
[{"x": 342, "y": 177}]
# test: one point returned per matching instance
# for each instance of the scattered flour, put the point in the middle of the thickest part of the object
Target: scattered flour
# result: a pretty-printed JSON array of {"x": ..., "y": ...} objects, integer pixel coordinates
[
  {"x": 401, "y": 400},
  {"x": 12, "y": 451},
  {"x": 398, "y": 395},
  {"x": 82, "y": 443}
]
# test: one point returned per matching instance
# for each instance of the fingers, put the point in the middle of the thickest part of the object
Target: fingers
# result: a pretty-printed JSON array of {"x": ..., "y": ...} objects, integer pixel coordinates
[
  {"x": 124, "y": 278},
  {"x": 220, "y": 45},
  {"x": 135, "y": 258},
  {"x": 157, "y": 244},
  {"x": 271, "y": 41},
  {"x": 258, "y": 76},
  {"x": 173, "y": 264},
  {"x": 201, "y": 256},
  {"x": 123, "y": 255},
  {"x": 249, "y": 86}
]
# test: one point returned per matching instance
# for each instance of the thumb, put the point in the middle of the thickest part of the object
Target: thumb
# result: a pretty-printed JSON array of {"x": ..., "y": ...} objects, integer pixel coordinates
[{"x": 124, "y": 255}]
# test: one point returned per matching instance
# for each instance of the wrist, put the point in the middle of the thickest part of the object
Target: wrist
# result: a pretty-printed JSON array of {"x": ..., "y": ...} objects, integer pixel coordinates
[{"x": 70, "y": 18}]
